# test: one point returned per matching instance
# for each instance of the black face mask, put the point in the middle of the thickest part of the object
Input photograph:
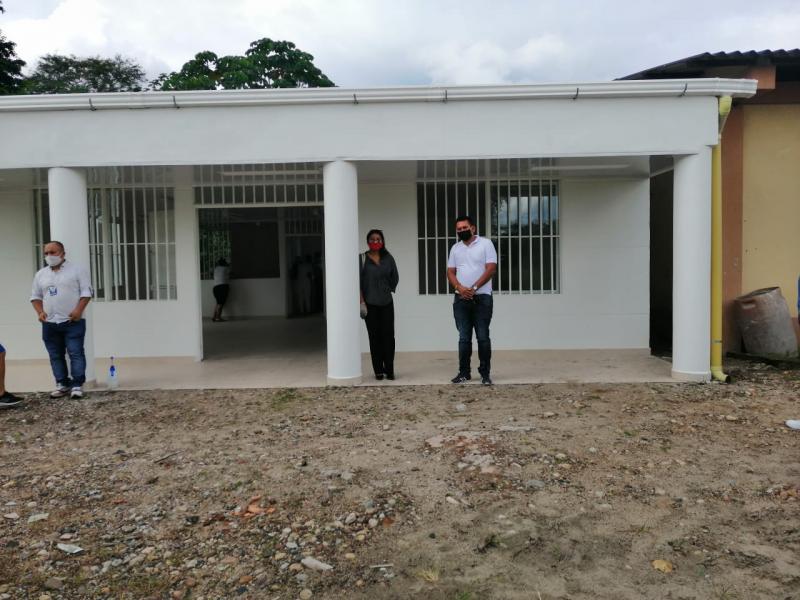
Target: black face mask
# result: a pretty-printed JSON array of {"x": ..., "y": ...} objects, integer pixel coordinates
[{"x": 464, "y": 236}]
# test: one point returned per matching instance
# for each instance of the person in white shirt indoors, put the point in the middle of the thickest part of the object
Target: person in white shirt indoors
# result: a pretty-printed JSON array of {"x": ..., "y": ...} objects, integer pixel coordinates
[
  {"x": 222, "y": 277},
  {"x": 470, "y": 267},
  {"x": 61, "y": 291}
]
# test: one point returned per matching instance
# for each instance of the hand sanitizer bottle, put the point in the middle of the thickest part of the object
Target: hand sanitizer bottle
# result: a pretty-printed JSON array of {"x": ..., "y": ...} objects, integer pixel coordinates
[{"x": 113, "y": 382}]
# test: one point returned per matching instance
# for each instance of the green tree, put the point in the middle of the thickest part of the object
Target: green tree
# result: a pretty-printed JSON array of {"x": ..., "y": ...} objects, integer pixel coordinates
[
  {"x": 10, "y": 65},
  {"x": 59, "y": 74},
  {"x": 265, "y": 64}
]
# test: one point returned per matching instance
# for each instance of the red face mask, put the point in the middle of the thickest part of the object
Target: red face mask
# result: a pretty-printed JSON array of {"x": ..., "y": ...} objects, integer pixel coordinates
[{"x": 375, "y": 245}]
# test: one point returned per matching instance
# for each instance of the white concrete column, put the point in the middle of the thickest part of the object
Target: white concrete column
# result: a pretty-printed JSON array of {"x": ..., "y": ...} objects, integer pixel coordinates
[
  {"x": 691, "y": 267},
  {"x": 69, "y": 224},
  {"x": 187, "y": 259},
  {"x": 341, "y": 272}
]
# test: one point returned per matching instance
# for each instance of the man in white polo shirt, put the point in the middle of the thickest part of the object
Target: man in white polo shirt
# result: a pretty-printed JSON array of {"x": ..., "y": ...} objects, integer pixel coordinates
[
  {"x": 59, "y": 296},
  {"x": 470, "y": 268}
]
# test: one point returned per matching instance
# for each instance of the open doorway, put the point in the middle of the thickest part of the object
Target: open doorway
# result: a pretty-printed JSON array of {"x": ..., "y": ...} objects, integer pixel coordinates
[
  {"x": 276, "y": 265},
  {"x": 305, "y": 262},
  {"x": 661, "y": 264}
]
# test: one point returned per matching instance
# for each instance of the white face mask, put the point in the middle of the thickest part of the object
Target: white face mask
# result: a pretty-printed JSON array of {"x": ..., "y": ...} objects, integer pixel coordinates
[{"x": 52, "y": 260}]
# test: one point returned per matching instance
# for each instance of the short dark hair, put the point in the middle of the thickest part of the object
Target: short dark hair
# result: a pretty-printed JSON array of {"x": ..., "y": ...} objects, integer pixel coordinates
[
  {"x": 57, "y": 243},
  {"x": 466, "y": 218}
]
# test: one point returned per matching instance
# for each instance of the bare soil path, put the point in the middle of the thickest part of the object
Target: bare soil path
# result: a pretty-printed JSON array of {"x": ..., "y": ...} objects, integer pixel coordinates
[{"x": 658, "y": 491}]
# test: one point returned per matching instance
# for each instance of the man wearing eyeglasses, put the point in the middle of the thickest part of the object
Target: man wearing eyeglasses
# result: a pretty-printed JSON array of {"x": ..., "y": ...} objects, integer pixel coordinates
[
  {"x": 470, "y": 267},
  {"x": 61, "y": 291}
]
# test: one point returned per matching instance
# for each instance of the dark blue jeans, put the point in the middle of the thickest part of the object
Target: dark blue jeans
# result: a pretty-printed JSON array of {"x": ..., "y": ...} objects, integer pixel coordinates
[
  {"x": 474, "y": 314},
  {"x": 66, "y": 338}
]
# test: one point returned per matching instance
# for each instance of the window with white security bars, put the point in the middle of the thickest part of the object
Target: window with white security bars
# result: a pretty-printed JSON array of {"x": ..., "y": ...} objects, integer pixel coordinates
[
  {"x": 131, "y": 232},
  {"x": 519, "y": 212}
]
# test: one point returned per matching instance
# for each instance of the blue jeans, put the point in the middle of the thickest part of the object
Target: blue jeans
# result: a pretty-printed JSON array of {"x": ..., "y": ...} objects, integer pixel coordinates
[
  {"x": 474, "y": 314},
  {"x": 66, "y": 338}
]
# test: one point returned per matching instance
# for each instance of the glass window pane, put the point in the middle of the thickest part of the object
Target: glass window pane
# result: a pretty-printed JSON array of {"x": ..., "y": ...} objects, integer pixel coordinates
[
  {"x": 431, "y": 259},
  {"x": 504, "y": 250},
  {"x": 441, "y": 209},
  {"x": 554, "y": 210},
  {"x": 462, "y": 201},
  {"x": 524, "y": 215},
  {"x": 430, "y": 209},
  {"x": 547, "y": 271},
  {"x": 441, "y": 266},
  {"x": 536, "y": 281},
  {"x": 420, "y": 210},
  {"x": 545, "y": 204},
  {"x": 513, "y": 264},
  {"x": 525, "y": 282},
  {"x": 421, "y": 261},
  {"x": 556, "y": 266}
]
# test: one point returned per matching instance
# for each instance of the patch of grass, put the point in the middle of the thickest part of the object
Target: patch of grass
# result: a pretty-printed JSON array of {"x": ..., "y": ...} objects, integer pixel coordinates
[
  {"x": 140, "y": 585},
  {"x": 284, "y": 397},
  {"x": 431, "y": 574},
  {"x": 724, "y": 593}
]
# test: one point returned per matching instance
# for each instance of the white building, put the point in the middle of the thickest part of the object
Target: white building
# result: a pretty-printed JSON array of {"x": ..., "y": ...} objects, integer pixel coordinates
[{"x": 150, "y": 188}]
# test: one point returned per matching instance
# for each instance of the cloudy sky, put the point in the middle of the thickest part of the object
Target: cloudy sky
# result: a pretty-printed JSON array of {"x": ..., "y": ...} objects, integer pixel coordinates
[{"x": 361, "y": 43}]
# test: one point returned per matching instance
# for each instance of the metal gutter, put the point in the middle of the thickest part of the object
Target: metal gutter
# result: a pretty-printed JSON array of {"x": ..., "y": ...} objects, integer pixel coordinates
[{"x": 661, "y": 88}]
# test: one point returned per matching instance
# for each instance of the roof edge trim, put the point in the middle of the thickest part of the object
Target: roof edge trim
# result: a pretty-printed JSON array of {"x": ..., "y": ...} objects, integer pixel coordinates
[{"x": 739, "y": 88}]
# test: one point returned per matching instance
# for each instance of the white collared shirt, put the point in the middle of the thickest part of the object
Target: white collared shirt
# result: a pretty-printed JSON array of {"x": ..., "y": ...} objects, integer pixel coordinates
[
  {"x": 222, "y": 275},
  {"x": 60, "y": 290},
  {"x": 470, "y": 262}
]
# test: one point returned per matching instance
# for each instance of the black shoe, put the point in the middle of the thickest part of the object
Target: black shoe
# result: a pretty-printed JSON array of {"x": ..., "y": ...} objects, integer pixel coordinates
[
  {"x": 486, "y": 380},
  {"x": 390, "y": 376},
  {"x": 9, "y": 400},
  {"x": 379, "y": 376},
  {"x": 461, "y": 378}
]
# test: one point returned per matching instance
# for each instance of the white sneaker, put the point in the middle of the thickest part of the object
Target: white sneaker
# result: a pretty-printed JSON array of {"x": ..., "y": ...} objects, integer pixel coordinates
[
  {"x": 59, "y": 392},
  {"x": 793, "y": 424},
  {"x": 76, "y": 393}
]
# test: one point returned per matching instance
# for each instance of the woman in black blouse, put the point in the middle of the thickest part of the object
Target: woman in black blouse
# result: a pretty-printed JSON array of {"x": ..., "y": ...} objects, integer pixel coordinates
[{"x": 379, "y": 280}]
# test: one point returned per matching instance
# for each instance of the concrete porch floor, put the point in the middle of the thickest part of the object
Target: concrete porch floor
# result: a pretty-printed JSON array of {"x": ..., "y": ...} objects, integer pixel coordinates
[{"x": 277, "y": 352}]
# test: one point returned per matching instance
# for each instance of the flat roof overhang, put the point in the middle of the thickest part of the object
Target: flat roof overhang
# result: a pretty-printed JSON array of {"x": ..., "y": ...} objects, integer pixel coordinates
[{"x": 402, "y": 123}]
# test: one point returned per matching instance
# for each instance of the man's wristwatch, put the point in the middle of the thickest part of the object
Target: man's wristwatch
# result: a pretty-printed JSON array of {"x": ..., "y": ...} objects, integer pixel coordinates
[{"x": 474, "y": 288}]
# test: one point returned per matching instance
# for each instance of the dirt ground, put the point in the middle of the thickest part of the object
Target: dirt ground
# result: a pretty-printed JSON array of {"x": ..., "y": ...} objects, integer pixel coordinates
[{"x": 543, "y": 492}]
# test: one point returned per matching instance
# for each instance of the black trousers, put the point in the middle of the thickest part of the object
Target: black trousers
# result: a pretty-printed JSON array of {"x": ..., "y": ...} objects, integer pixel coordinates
[
  {"x": 380, "y": 327},
  {"x": 221, "y": 293}
]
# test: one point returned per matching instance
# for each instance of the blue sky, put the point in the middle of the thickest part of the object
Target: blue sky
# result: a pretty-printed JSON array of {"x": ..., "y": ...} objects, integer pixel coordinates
[{"x": 378, "y": 43}]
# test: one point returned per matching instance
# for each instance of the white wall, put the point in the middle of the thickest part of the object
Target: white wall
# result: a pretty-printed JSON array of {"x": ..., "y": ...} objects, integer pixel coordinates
[
  {"x": 604, "y": 301},
  {"x": 264, "y": 297},
  {"x": 20, "y": 332}
]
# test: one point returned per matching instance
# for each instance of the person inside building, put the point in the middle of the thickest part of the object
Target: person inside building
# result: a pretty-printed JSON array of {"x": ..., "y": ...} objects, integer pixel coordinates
[
  {"x": 222, "y": 276},
  {"x": 379, "y": 279}
]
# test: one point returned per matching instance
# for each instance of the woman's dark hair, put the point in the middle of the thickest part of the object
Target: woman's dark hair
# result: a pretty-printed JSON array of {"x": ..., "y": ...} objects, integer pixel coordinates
[
  {"x": 383, "y": 251},
  {"x": 222, "y": 262}
]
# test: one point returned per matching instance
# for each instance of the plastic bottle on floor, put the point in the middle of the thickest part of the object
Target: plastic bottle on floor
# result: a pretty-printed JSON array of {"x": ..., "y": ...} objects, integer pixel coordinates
[{"x": 113, "y": 381}]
